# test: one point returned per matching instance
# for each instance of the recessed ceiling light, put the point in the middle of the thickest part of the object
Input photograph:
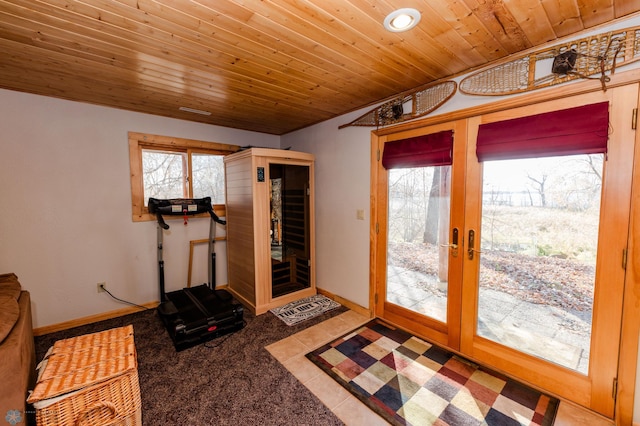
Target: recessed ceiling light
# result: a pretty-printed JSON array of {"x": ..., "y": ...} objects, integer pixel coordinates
[
  {"x": 402, "y": 20},
  {"x": 195, "y": 111}
]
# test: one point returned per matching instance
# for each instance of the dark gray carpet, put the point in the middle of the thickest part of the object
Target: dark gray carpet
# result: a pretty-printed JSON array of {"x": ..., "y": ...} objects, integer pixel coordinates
[{"x": 231, "y": 380}]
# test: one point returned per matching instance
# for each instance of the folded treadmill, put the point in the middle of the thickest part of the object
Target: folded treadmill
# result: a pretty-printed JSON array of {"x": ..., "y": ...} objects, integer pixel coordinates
[{"x": 197, "y": 314}]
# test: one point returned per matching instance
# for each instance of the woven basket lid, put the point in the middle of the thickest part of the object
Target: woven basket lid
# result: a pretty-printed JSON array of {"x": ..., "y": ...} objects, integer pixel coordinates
[{"x": 87, "y": 360}]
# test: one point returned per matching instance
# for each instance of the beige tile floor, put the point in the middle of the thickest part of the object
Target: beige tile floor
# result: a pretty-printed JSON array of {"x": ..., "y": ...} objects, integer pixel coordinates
[{"x": 291, "y": 351}]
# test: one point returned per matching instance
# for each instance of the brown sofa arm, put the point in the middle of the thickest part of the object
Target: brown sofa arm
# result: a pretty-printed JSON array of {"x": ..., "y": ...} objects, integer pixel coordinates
[{"x": 18, "y": 366}]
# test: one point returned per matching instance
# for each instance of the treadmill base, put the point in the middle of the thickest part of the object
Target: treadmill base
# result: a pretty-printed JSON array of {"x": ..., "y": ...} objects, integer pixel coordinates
[{"x": 198, "y": 314}]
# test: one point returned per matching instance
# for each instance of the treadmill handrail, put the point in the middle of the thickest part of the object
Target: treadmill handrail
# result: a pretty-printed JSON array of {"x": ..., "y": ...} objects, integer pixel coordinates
[
  {"x": 181, "y": 207},
  {"x": 161, "y": 221},
  {"x": 215, "y": 218}
]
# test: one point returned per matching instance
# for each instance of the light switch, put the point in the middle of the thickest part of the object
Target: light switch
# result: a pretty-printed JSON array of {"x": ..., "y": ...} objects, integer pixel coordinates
[{"x": 360, "y": 214}]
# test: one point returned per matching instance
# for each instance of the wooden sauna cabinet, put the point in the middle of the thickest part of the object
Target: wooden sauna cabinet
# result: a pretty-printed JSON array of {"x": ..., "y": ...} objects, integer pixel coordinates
[{"x": 270, "y": 227}]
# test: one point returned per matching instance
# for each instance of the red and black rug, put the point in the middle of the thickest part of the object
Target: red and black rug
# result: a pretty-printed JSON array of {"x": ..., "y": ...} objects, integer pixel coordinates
[{"x": 408, "y": 381}]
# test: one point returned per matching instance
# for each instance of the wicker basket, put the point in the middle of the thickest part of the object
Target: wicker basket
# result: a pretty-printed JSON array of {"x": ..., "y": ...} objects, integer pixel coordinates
[{"x": 90, "y": 380}]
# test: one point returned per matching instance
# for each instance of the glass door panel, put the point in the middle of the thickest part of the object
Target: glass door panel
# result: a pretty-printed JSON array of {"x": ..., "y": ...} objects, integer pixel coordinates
[
  {"x": 290, "y": 230},
  {"x": 539, "y": 293},
  {"x": 540, "y": 220},
  {"x": 417, "y": 240}
]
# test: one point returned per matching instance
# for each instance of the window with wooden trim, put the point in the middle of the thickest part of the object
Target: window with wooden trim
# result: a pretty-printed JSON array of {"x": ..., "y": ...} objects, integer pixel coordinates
[{"x": 166, "y": 167}]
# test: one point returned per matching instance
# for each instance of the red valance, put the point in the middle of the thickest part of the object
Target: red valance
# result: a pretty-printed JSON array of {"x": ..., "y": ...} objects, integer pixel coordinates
[
  {"x": 580, "y": 130},
  {"x": 434, "y": 149}
]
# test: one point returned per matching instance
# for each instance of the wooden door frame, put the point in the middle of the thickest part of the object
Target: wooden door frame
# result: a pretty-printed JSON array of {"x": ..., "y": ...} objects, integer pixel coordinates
[
  {"x": 628, "y": 357},
  {"x": 444, "y": 334},
  {"x": 628, "y": 362},
  {"x": 595, "y": 390}
]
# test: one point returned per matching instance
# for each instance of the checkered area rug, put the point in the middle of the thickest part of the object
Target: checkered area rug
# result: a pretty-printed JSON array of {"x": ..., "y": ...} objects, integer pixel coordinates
[{"x": 408, "y": 381}]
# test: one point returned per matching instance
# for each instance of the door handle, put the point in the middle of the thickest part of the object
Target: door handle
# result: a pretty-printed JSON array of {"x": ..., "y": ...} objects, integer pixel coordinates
[
  {"x": 454, "y": 243},
  {"x": 472, "y": 240}
]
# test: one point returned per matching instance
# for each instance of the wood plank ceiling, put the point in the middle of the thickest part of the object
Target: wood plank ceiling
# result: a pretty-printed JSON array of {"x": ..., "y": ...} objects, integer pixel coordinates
[{"x": 270, "y": 66}]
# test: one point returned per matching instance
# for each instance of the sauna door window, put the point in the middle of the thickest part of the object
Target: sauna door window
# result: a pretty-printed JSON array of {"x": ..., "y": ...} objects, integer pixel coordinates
[{"x": 289, "y": 233}]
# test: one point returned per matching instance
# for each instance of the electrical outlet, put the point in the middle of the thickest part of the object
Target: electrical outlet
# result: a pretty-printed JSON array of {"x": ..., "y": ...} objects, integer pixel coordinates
[{"x": 101, "y": 286}]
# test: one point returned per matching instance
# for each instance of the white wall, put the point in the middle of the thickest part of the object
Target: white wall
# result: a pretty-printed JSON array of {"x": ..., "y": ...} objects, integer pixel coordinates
[
  {"x": 65, "y": 215},
  {"x": 342, "y": 175}
]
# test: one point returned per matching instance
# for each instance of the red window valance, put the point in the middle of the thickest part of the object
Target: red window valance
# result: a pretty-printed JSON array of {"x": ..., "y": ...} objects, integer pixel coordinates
[
  {"x": 434, "y": 149},
  {"x": 580, "y": 130}
]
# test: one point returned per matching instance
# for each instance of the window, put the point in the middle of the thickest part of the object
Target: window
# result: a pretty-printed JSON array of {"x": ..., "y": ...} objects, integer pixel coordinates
[{"x": 165, "y": 167}]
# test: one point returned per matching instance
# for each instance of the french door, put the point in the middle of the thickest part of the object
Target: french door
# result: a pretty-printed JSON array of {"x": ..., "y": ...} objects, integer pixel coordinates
[{"x": 516, "y": 263}]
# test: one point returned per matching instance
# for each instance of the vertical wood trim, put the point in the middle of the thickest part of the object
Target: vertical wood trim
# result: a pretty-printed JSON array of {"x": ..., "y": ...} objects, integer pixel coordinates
[
  {"x": 631, "y": 307},
  {"x": 457, "y": 220},
  {"x": 378, "y": 232},
  {"x": 135, "y": 167},
  {"x": 261, "y": 244},
  {"x": 473, "y": 194},
  {"x": 375, "y": 205},
  {"x": 612, "y": 240},
  {"x": 311, "y": 198},
  {"x": 381, "y": 231},
  {"x": 189, "y": 172}
]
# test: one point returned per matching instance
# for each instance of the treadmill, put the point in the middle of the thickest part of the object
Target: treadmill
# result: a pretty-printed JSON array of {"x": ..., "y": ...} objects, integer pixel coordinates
[{"x": 197, "y": 314}]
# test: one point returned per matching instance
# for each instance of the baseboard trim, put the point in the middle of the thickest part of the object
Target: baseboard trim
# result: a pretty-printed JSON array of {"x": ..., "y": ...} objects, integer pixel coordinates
[
  {"x": 39, "y": 331},
  {"x": 346, "y": 303}
]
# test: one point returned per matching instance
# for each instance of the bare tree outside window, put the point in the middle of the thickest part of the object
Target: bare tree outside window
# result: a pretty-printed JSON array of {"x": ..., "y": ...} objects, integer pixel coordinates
[
  {"x": 409, "y": 191},
  {"x": 539, "y": 246},
  {"x": 419, "y": 209},
  {"x": 170, "y": 167},
  {"x": 538, "y": 242},
  {"x": 166, "y": 175},
  {"x": 208, "y": 177}
]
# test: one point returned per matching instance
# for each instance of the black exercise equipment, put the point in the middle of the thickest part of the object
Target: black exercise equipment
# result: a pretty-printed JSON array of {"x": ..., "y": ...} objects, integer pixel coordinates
[{"x": 194, "y": 314}]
